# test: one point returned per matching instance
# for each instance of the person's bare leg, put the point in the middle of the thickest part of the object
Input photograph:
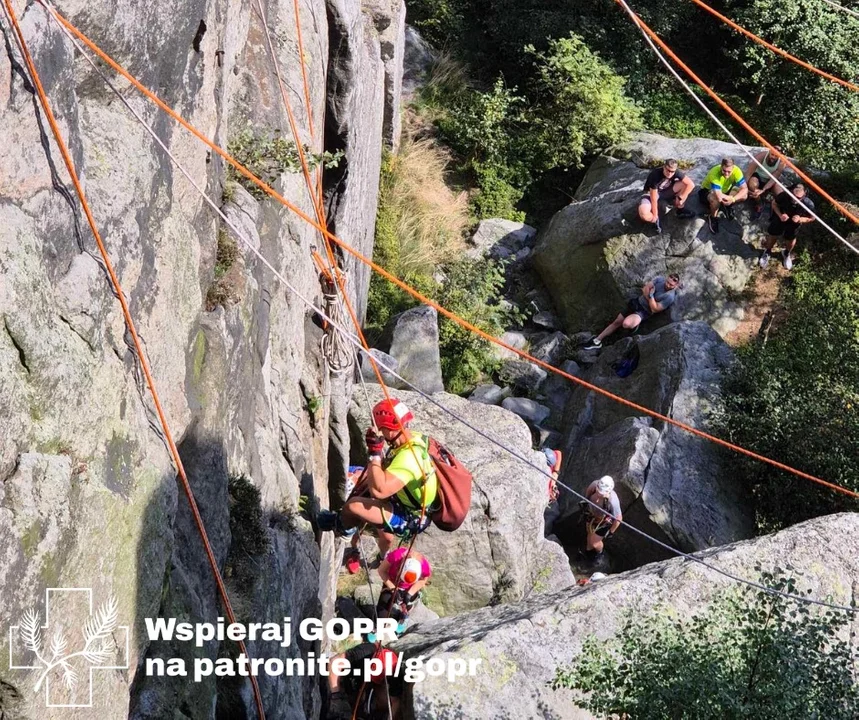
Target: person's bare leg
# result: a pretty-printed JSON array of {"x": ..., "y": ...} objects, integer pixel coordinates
[
  {"x": 384, "y": 541},
  {"x": 739, "y": 194},
  {"x": 713, "y": 202},
  {"x": 632, "y": 321},
  {"x": 595, "y": 542},
  {"x": 363, "y": 510},
  {"x": 645, "y": 212},
  {"x": 769, "y": 242},
  {"x": 618, "y": 321}
]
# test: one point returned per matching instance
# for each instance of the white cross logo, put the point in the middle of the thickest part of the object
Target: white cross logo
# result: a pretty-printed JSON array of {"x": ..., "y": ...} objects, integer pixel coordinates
[{"x": 100, "y": 642}]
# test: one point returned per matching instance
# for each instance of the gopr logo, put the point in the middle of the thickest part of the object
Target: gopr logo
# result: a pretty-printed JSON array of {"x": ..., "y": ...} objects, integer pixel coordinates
[{"x": 65, "y": 660}]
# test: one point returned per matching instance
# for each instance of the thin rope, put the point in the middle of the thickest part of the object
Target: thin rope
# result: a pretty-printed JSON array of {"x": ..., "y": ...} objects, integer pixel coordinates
[
  {"x": 129, "y": 321},
  {"x": 419, "y": 296},
  {"x": 498, "y": 443},
  {"x": 842, "y": 8},
  {"x": 773, "y": 48},
  {"x": 760, "y": 138},
  {"x": 323, "y": 230}
]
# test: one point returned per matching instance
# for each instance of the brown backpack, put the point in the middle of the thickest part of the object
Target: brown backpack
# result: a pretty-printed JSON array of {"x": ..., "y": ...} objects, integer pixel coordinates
[{"x": 454, "y": 487}]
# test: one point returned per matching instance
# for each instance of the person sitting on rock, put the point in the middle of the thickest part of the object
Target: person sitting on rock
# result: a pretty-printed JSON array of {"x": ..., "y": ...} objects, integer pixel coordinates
[
  {"x": 657, "y": 295},
  {"x": 400, "y": 489},
  {"x": 759, "y": 182},
  {"x": 724, "y": 186},
  {"x": 789, "y": 211},
  {"x": 602, "y": 521},
  {"x": 668, "y": 184},
  {"x": 343, "y": 692}
]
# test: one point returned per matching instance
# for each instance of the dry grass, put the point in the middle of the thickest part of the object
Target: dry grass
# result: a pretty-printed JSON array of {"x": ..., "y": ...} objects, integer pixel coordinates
[{"x": 427, "y": 216}]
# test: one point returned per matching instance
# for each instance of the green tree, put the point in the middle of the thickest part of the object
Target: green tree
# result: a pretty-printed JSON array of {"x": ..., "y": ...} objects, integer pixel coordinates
[
  {"x": 580, "y": 105},
  {"x": 750, "y": 655},
  {"x": 796, "y": 398}
]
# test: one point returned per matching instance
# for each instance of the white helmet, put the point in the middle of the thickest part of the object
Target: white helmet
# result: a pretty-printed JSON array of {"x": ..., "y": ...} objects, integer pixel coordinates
[
  {"x": 411, "y": 571},
  {"x": 605, "y": 484}
]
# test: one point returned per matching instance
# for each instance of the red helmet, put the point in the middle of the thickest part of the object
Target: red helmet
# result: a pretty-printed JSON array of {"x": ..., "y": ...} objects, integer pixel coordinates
[{"x": 386, "y": 412}]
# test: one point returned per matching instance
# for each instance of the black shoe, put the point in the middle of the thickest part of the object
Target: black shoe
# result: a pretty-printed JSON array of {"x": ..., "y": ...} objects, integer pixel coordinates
[
  {"x": 713, "y": 223},
  {"x": 593, "y": 344},
  {"x": 728, "y": 211}
]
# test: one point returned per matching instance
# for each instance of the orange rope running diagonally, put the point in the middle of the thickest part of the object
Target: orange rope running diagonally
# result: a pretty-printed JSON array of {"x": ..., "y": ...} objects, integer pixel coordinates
[
  {"x": 727, "y": 108},
  {"x": 414, "y": 293},
  {"x": 777, "y": 50},
  {"x": 43, "y": 98}
]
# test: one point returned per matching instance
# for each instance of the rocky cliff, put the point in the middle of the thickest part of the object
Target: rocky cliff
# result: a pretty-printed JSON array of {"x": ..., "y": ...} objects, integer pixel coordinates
[
  {"x": 88, "y": 496},
  {"x": 522, "y": 646}
]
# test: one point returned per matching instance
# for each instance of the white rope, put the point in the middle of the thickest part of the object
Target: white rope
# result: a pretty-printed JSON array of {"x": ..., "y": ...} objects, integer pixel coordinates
[
  {"x": 733, "y": 137},
  {"x": 355, "y": 341},
  {"x": 842, "y": 8}
]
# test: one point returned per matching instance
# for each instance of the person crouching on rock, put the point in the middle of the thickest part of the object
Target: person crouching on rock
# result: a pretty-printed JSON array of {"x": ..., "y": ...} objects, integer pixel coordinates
[
  {"x": 400, "y": 488},
  {"x": 404, "y": 574},
  {"x": 603, "y": 520},
  {"x": 657, "y": 295},
  {"x": 372, "y": 697}
]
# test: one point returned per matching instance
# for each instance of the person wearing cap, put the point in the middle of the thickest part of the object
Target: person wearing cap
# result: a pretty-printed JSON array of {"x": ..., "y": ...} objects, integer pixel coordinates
[
  {"x": 602, "y": 513},
  {"x": 400, "y": 488},
  {"x": 657, "y": 295},
  {"x": 375, "y": 694},
  {"x": 761, "y": 175}
]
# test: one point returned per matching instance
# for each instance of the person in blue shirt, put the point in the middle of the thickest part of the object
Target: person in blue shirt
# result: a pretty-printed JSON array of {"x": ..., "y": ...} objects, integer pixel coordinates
[{"x": 657, "y": 295}]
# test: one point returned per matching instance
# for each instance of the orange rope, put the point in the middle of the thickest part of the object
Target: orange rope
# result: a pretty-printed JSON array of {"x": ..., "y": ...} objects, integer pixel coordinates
[
  {"x": 417, "y": 295},
  {"x": 773, "y": 48},
  {"x": 323, "y": 228},
  {"x": 727, "y": 108},
  {"x": 308, "y": 104},
  {"x": 174, "y": 451}
]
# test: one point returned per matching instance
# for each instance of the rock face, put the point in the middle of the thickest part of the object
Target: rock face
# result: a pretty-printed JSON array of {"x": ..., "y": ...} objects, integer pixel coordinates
[
  {"x": 596, "y": 253},
  {"x": 501, "y": 238},
  {"x": 670, "y": 482},
  {"x": 499, "y": 554},
  {"x": 88, "y": 496},
  {"x": 414, "y": 345},
  {"x": 522, "y": 646}
]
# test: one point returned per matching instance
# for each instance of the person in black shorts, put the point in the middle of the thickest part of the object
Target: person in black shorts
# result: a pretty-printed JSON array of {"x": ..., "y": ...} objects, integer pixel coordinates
[
  {"x": 669, "y": 185},
  {"x": 789, "y": 211},
  {"x": 657, "y": 295},
  {"x": 343, "y": 691}
]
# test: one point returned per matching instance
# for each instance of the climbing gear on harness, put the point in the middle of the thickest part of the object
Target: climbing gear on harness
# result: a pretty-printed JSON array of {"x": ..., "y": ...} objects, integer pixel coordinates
[{"x": 386, "y": 413}]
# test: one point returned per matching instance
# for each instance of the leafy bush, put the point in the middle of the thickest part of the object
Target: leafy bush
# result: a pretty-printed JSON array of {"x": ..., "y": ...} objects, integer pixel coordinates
[
  {"x": 581, "y": 105},
  {"x": 268, "y": 157},
  {"x": 573, "y": 106},
  {"x": 797, "y": 397},
  {"x": 750, "y": 655},
  {"x": 471, "y": 290}
]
